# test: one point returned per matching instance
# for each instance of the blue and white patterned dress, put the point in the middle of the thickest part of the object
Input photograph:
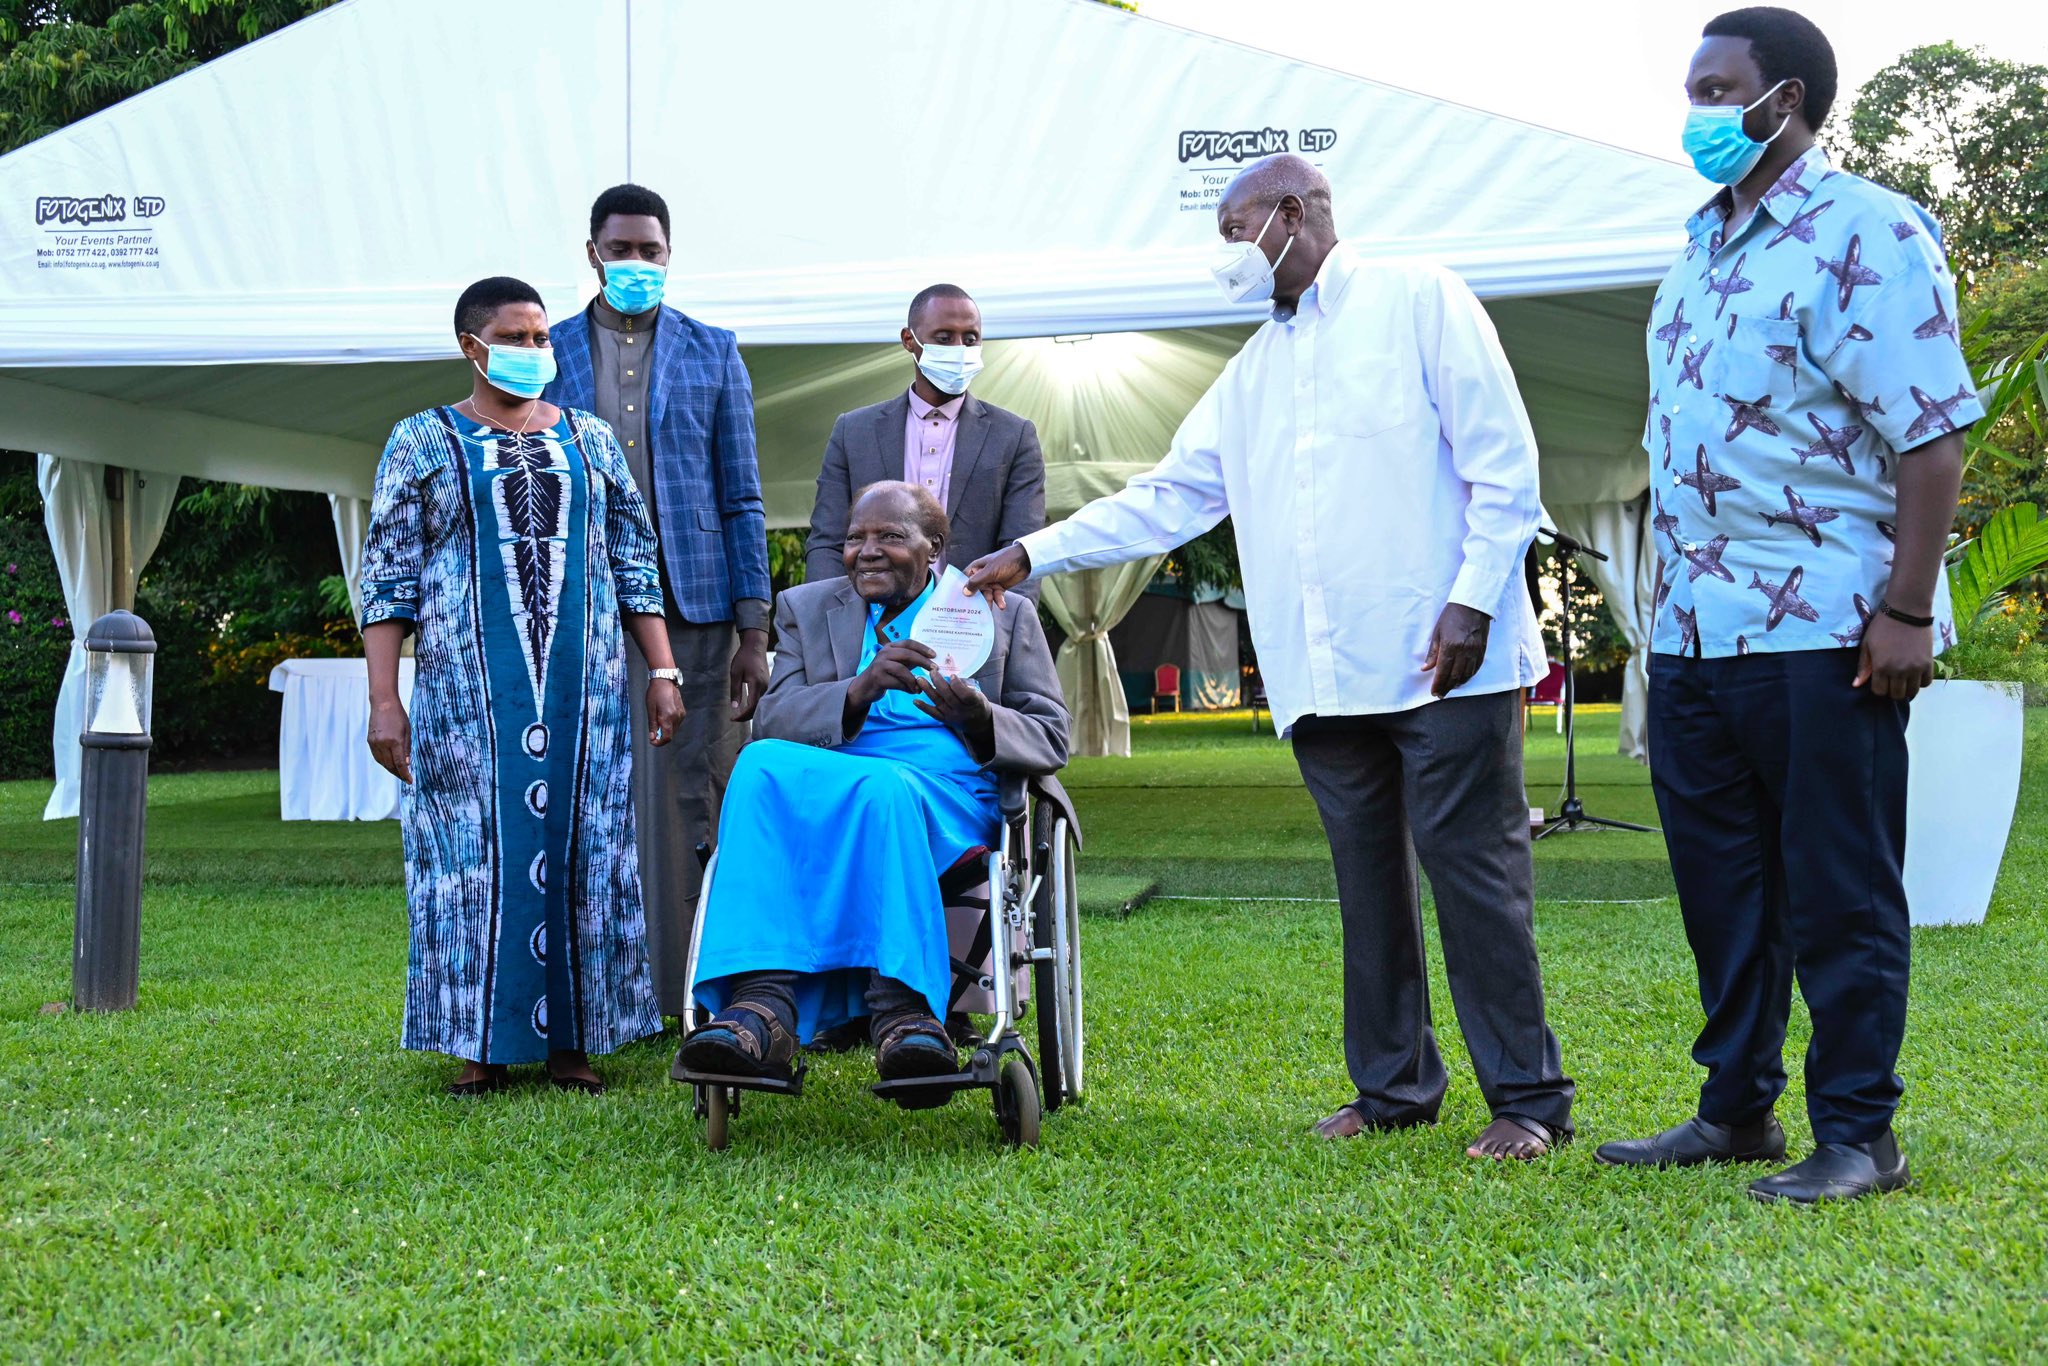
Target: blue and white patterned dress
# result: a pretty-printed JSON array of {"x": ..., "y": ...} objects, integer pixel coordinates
[{"x": 513, "y": 557}]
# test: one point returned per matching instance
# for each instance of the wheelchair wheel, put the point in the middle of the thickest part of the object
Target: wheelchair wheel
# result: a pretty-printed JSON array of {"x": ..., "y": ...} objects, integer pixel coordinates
[
  {"x": 1048, "y": 979},
  {"x": 717, "y": 1118},
  {"x": 1056, "y": 985},
  {"x": 1074, "y": 1033},
  {"x": 1017, "y": 1102}
]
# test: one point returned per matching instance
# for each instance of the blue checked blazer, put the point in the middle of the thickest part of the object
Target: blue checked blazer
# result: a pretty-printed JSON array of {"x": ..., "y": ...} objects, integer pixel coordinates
[{"x": 707, "y": 481}]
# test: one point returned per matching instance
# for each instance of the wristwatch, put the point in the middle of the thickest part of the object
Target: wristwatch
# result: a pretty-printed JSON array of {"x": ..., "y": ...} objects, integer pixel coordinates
[
  {"x": 674, "y": 676},
  {"x": 1906, "y": 618}
]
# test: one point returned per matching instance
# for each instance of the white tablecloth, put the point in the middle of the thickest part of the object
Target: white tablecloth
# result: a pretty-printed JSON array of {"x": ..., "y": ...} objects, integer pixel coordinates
[{"x": 325, "y": 772}]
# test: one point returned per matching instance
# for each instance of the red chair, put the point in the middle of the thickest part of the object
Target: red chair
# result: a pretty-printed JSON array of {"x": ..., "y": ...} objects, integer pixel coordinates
[
  {"x": 1166, "y": 684},
  {"x": 1548, "y": 693}
]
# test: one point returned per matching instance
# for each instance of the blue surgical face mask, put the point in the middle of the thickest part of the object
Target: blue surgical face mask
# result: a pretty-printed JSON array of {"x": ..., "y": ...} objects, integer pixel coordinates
[
  {"x": 1719, "y": 149},
  {"x": 521, "y": 371},
  {"x": 633, "y": 287},
  {"x": 950, "y": 368}
]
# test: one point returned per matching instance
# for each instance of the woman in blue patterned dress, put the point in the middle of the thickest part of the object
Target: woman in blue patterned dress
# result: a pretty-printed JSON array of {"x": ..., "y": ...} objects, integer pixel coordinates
[{"x": 507, "y": 532}]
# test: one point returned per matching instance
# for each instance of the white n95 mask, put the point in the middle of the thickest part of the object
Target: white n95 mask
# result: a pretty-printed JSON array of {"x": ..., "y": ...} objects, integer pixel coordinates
[{"x": 1242, "y": 271}]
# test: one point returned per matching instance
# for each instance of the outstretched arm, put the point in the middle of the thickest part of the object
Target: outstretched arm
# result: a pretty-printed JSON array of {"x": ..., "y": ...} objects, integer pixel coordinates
[{"x": 1168, "y": 506}]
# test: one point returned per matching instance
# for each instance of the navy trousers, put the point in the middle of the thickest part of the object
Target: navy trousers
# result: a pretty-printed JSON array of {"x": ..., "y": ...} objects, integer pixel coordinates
[{"x": 1783, "y": 795}]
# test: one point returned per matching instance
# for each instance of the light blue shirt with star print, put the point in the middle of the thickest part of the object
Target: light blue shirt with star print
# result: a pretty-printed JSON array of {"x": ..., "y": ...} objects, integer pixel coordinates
[{"x": 1795, "y": 360}]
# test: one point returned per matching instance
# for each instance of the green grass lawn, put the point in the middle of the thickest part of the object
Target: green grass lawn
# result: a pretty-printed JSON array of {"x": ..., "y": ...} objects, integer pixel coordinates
[{"x": 247, "y": 1168}]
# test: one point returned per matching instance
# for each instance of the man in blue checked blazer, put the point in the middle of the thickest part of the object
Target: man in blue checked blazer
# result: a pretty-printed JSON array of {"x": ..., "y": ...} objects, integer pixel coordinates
[{"x": 676, "y": 393}]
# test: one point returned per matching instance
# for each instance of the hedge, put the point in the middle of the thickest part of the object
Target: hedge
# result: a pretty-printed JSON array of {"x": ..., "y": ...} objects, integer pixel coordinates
[
  {"x": 238, "y": 583},
  {"x": 35, "y": 642}
]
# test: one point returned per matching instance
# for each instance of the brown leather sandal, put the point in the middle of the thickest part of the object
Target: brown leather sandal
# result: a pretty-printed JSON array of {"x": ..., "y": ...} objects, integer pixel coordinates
[
  {"x": 1537, "y": 1134},
  {"x": 746, "y": 1041},
  {"x": 915, "y": 1046}
]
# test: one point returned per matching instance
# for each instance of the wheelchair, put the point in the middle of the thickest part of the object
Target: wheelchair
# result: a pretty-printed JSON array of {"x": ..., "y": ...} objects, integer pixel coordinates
[{"x": 1016, "y": 956}]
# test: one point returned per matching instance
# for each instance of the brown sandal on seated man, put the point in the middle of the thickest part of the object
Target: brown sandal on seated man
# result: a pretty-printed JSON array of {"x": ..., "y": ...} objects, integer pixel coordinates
[
  {"x": 1514, "y": 1138},
  {"x": 915, "y": 1046},
  {"x": 746, "y": 1041}
]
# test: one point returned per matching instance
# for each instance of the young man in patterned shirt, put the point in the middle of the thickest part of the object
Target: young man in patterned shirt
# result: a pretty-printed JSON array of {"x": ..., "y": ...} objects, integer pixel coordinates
[{"x": 1805, "y": 445}]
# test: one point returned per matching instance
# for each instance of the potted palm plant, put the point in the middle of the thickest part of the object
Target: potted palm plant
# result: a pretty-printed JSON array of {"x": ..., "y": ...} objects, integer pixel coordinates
[{"x": 1968, "y": 730}]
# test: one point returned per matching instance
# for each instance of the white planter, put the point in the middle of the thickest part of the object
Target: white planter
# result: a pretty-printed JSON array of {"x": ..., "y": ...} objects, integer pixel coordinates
[{"x": 1964, "y": 742}]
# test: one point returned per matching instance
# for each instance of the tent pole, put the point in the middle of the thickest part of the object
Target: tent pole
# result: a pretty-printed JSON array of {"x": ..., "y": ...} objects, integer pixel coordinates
[{"x": 120, "y": 551}]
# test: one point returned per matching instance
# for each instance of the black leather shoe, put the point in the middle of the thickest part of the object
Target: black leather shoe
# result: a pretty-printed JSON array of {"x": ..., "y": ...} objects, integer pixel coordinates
[
  {"x": 1838, "y": 1171},
  {"x": 1696, "y": 1142}
]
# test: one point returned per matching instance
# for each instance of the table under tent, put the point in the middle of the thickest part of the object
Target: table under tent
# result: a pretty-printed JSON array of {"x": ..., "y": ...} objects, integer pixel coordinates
[{"x": 248, "y": 272}]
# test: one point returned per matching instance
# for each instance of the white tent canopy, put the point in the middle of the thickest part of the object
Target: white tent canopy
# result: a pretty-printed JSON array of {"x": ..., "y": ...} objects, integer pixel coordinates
[{"x": 247, "y": 273}]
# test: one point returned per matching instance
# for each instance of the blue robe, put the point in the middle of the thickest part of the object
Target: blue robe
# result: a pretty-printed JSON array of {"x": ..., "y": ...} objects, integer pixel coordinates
[
  {"x": 513, "y": 558},
  {"x": 829, "y": 860}
]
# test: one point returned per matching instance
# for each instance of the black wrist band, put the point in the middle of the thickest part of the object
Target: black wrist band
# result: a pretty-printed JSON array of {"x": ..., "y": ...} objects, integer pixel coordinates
[{"x": 1905, "y": 618}]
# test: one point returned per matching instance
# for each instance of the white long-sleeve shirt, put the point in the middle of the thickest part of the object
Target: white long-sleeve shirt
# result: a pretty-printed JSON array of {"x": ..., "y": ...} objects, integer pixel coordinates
[{"x": 1377, "y": 460}]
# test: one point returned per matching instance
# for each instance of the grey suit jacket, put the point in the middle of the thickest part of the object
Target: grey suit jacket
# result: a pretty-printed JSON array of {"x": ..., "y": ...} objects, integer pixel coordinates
[
  {"x": 819, "y": 627},
  {"x": 996, "y": 496}
]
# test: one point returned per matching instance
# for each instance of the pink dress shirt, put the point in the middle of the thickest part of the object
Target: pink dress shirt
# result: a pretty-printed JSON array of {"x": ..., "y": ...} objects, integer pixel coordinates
[{"x": 928, "y": 434}]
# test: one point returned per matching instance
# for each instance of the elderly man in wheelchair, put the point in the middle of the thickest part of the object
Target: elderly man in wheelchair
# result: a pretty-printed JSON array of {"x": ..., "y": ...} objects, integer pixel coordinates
[{"x": 873, "y": 773}]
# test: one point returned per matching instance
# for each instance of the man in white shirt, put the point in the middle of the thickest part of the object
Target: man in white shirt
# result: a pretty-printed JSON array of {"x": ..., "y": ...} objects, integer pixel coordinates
[{"x": 1373, "y": 451}]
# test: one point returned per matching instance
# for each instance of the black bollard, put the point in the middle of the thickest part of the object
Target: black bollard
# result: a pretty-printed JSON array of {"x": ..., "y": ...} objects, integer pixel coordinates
[{"x": 113, "y": 799}]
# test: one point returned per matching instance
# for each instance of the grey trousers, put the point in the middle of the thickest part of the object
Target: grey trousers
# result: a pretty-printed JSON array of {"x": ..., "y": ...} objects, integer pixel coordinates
[
  {"x": 888, "y": 1000},
  {"x": 677, "y": 791},
  {"x": 1442, "y": 783}
]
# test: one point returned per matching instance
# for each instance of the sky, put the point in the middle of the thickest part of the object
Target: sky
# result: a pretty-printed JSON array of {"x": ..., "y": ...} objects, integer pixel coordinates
[{"x": 1605, "y": 69}]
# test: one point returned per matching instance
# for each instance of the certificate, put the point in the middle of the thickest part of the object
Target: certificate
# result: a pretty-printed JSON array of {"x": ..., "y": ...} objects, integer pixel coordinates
[{"x": 960, "y": 628}]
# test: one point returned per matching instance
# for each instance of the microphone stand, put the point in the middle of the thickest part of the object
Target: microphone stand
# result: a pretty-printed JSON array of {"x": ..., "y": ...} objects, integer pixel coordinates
[{"x": 1571, "y": 813}]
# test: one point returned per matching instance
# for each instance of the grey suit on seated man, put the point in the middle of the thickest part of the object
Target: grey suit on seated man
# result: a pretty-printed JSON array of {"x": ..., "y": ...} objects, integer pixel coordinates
[
  {"x": 981, "y": 462},
  {"x": 872, "y": 772}
]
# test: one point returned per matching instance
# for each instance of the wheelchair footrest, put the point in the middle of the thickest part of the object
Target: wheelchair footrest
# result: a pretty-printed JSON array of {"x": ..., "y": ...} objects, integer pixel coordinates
[
  {"x": 926, "y": 1093},
  {"x": 791, "y": 1085},
  {"x": 984, "y": 1067}
]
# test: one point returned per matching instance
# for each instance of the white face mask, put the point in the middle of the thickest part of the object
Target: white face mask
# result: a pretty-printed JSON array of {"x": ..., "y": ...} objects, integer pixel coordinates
[
  {"x": 1242, "y": 271},
  {"x": 950, "y": 368}
]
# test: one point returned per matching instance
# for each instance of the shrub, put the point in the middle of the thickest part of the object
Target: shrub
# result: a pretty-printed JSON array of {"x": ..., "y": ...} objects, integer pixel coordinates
[
  {"x": 35, "y": 632},
  {"x": 786, "y": 557},
  {"x": 235, "y": 586},
  {"x": 2004, "y": 646}
]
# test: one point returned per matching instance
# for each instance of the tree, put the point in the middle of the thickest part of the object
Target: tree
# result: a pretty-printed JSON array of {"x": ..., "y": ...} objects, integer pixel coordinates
[
  {"x": 237, "y": 584},
  {"x": 2013, "y": 301},
  {"x": 1208, "y": 562},
  {"x": 61, "y": 60},
  {"x": 2005, "y": 336},
  {"x": 1965, "y": 134}
]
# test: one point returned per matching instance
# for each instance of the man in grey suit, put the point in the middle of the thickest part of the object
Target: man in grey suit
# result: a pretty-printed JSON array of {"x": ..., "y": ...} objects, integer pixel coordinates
[
  {"x": 980, "y": 462},
  {"x": 871, "y": 772}
]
